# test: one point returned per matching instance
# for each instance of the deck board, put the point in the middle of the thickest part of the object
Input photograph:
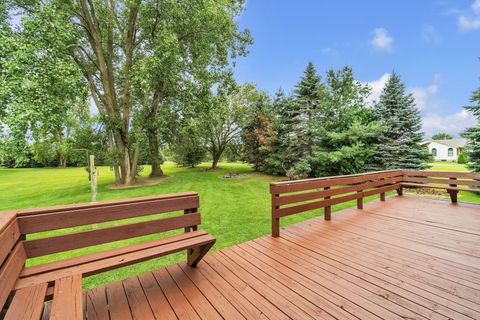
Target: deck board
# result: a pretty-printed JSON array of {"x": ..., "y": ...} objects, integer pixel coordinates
[{"x": 405, "y": 258}]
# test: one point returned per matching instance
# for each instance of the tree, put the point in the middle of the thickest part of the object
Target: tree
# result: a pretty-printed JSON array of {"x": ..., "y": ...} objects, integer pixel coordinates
[
  {"x": 223, "y": 118},
  {"x": 278, "y": 160},
  {"x": 473, "y": 134},
  {"x": 400, "y": 146},
  {"x": 307, "y": 100},
  {"x": 256, "y": 136},
  {"x": 442, "y": 136},
  {"x": 161, "y": 47},
  {"x": 188, "y": 147},
  {"x": 345, "y": 135},
  {"x": 42, "y": 92}
]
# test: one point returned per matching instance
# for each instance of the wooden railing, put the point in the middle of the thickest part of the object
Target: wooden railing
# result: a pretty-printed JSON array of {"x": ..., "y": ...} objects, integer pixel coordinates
[{"x": 292, "y": 197}]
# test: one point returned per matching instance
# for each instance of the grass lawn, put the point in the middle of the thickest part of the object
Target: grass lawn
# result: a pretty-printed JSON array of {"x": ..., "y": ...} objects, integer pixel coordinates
[{"x": 233, "y": 210}]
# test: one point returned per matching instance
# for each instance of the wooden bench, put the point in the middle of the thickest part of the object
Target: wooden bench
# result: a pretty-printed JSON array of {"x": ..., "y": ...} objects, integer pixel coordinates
[
  {"x": 23, "y": 290},
  {"x": 292, "y": 197},
  {"x": 449, "y": 181}
]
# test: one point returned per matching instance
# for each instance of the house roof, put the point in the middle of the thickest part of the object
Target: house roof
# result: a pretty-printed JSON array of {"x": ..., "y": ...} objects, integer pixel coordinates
[{"x": 455, "y": 143}]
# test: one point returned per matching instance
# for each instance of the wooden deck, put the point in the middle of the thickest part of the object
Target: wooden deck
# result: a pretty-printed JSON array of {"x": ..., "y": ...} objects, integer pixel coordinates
[{"x": 406, "y": 258}]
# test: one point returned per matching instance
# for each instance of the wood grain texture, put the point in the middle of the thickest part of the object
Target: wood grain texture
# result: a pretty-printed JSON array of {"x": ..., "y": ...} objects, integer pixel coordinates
[
  {"x": 10, "y": 270},
  {"x": 74, "y": 216},
  {"x": 67, "y": 301},
  {"x": 44, "y": 246},
  {"x": 27, "y": 303},
  {"x": 406, "y": 258}
]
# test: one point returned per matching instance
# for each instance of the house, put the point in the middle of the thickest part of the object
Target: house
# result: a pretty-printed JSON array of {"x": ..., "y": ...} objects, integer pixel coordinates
[{"x": 446, "y": 150}]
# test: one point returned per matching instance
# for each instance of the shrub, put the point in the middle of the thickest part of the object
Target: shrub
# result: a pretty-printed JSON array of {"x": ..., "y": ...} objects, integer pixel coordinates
[
  {"x": 300, "y": 170},
  {"x": 462, "y": 158}
]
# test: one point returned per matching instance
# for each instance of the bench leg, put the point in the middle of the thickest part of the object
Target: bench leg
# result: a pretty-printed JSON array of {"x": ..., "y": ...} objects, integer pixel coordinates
[
  {"x": 453, "y": 195},
  {"x": 400, "y": 191},
  {"x": 196, "y": 254}
]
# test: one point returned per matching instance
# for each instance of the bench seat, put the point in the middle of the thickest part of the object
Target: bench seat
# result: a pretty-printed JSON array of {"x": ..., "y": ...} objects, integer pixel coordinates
[{"x": 94, "y": 263}]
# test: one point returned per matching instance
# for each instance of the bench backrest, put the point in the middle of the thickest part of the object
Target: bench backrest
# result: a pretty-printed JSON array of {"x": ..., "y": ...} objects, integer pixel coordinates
[
  {"x": 12, "y": 254},
  {"x": 61, "y": 217}
]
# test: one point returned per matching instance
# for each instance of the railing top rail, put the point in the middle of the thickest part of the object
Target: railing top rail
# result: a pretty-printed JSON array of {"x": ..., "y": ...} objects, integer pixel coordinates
[
  {"x": 308, "y": 180},
  {"x": 443, "y": 174}
]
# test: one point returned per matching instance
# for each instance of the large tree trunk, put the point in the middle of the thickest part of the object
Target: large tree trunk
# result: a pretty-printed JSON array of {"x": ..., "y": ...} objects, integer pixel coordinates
[
  {"x": 216, "y": 155},
  {"x": 153, "y": 147}
]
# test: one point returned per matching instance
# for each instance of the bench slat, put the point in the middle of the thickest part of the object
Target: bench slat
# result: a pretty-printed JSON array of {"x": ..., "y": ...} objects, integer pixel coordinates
[
  {"x": 49, "y": 245},
  {"x": 103, "y": 265},
  {"x": 65, "y": 263},
  {"x": 67, "y": 299},
  {"x": 83, "y": 216},
  {"x": 9, "y": 235},
  {"x": 27, "y": 304},
  {"x": 407, "y": 184},
  {"x": 10, "y": 271}
]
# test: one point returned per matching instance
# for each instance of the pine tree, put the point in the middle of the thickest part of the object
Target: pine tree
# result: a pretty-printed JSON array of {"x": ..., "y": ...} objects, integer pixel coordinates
[
  {"x": 400, "y": 146},
  {"x": 278, "y": 161},
  {"x": 473, "y": 134},
  {"x": 306, "y": 104}
]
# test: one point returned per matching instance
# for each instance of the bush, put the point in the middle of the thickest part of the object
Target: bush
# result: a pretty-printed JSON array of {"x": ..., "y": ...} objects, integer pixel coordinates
[
  {"x": 462, "y": 158},
  {"x": 300, "y": 170}
]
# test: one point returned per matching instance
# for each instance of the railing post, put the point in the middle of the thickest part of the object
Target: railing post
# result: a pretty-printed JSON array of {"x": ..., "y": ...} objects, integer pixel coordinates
[
  {"x": 453, "y": 193},
  {"x": 187, "y": 211},
  {"x": 327, "y": 211},
  {"x": 360, "y": 200},
  {"x": 275, "y": 219}
]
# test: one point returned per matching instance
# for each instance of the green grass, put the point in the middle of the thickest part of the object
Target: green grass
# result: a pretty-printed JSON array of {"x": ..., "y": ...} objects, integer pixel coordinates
[{"x": 233, "y": 210}]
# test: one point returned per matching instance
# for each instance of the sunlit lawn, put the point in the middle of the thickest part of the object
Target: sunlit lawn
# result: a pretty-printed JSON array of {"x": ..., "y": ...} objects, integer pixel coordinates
[{"x": 233, "y": 210}]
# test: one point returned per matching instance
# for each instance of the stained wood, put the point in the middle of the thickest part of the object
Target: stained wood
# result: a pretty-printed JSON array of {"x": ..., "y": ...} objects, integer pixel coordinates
[
  {"x": 9, "y": 235},
  {"x": 74, "y": 216},
  {"x": 96, "y": 304},
  {"x": 137, "y": 300},
  {"x": 70, "y": 262},
  {"x": 89, "y": 205},
  {"x": 309, "y": 184},
  {"x": 447, "y": 188},
  {"x": 117, "y": 301},
  {"x": 27, "y": 303},
  {"x": 116, "y": 262},
  {"x": 442, "y": 181},
  {"x": 10, "y": 270},
  {"x": 44, "y": 246},
  {"x": 442, "y": 174},
  {"x": 157, "y": 300},
  {"x": 406, "y": 258},
  {"x": 67, "y": 299}
]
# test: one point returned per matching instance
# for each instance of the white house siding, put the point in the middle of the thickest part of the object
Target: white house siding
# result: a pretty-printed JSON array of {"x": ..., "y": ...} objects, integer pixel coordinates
[{"x": 442, "y": 151}]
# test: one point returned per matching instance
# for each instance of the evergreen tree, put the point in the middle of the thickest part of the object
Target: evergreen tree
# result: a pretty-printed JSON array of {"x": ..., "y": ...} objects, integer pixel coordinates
[
  {"x": 256, "y": 136},
  {"x": 306, "y": 105},
  {"x": 345, "y": 136},
  {"x": 473, "y": 134},
  {"x": 400, "y": 146},
  {"x": 278, "y": 160}
]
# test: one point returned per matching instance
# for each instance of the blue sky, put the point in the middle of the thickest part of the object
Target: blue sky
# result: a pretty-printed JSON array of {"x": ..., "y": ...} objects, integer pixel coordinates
[{"x": 434, "y": 45}]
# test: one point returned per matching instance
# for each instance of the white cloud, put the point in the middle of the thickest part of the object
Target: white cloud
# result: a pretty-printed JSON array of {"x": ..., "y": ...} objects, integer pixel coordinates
[
  {"x": 471, "y": 23},
  {"x": 476, "y": 7},
  {"x": 430, "y": 34},
  {"x": 330, "y": 51},
  {"x": 377, "y": 87},
  {"x": 382, "y": 41},
  {"x": 454, "y": 123}
]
